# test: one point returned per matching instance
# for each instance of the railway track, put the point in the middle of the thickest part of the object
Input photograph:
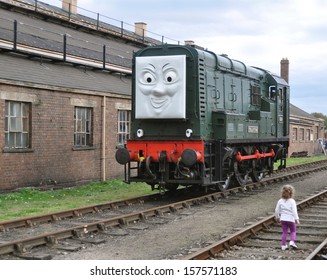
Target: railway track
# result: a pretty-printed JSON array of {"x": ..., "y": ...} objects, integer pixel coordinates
[
  {"x": 262, "y": 240},
  {"x": 22, "y": 238},
  {"x": 112, "y": 205}
]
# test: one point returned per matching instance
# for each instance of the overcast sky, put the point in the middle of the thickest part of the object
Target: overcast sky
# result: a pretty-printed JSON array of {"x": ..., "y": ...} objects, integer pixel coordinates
[{"x": 257, "y": 32}]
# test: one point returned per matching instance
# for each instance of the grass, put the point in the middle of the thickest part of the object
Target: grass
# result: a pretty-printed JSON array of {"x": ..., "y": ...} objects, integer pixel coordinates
[
  {"x": 30, "y": 202},
  {"x": 295, "y": 161}
]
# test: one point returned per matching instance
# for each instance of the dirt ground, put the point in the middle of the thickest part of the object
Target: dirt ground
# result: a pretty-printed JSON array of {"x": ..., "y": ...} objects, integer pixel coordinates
[{"x": 185, "y": 231}]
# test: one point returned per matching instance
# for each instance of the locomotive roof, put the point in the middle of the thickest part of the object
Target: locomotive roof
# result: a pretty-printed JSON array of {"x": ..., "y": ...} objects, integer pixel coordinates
[
  {"x": 221, "y": 62},
  {"x": 236, "y": 66},
  {"x": 227, "y": 64},
  {"x": 224, "y": 63}
]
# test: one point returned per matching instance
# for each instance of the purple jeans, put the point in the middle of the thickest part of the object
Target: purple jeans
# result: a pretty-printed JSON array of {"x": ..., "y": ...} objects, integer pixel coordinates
[{"x": 285, "y": 226}]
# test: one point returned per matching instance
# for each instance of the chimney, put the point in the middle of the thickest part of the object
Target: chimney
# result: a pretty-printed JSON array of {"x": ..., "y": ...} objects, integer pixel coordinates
[
  {"x": 70, "y": 6},
  {"x": 140, "y": 28},
  {"x": 284, "y": 69}
]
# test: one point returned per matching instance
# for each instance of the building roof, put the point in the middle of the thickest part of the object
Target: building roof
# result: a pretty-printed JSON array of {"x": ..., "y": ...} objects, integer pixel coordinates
[
  {"x": 297, "y": 112},
  {"x": 50, "y": 37},
  {"x": 44, "y": 73},
  {"x": 39, "y": 57},
  {"x": 100, "y": 23}
]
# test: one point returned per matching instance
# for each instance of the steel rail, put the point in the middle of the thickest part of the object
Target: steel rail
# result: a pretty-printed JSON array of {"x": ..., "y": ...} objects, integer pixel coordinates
[
  {"x": 226, "y": 243},
  {"x": 317, "y": 250},
  {"x": 76, "y": 212},
  {"x": 23, "y": 245}
]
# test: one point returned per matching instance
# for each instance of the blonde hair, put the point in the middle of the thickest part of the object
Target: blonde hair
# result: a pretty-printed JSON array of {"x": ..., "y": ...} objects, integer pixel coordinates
[{"x": 287, "y": 191}]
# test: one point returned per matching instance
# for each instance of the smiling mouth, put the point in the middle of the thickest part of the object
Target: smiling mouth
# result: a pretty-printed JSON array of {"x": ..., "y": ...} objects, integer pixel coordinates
[{"x": 158, "y": 102}]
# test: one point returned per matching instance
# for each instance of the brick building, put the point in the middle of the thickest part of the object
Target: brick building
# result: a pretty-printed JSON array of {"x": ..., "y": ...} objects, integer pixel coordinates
[
  {"x": 305, "y": 129},
  {"x": 65, "y": 84}
]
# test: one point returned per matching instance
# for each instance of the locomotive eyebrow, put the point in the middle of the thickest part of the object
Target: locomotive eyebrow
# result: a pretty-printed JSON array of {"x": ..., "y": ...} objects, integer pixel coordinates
[
  {"x": 152, "y": 66},
  {"x": 165, "y": 65}
]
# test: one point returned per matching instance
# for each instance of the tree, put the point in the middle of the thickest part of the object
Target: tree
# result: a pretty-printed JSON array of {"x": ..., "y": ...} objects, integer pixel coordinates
[{"x": 321, "y": 116}]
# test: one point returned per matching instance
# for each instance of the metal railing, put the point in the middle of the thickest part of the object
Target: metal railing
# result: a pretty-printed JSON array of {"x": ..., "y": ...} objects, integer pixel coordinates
[
  {"x": 93, "y": 20},
  {"x": 39, "y": 41}
]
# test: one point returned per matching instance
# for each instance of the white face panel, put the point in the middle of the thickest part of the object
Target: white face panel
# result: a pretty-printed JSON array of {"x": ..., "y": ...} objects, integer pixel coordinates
[{"x": 160, "y": 87}]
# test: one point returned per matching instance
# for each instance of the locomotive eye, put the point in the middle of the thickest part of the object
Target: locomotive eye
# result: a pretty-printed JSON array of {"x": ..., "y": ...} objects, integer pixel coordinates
[
  {"x": 148, "y": 78},
  {"x": 170, "y": 76}
]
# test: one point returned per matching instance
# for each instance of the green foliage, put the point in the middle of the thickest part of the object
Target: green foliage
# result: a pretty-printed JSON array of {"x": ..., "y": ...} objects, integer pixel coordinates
[{"x": 321, "y": 116}]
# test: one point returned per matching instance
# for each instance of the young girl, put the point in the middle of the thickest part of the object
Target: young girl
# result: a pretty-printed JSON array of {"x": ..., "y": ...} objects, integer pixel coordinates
[{"x": 286, "y": 214}]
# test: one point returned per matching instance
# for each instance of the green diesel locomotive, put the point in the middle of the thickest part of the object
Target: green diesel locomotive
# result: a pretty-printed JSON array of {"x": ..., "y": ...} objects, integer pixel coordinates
[{"x": 203, "y": 119}]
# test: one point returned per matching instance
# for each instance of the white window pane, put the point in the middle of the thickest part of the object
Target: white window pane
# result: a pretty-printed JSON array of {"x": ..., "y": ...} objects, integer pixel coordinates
[
  {"x": 11, "y": 140},
  {"x": 7, "y": 108},
  {"x": 6, "y": 124},
  {"x": 18, "y": 140},
  {"x": 83, "y": 126},
  {"x": 15, "y": 109},
  {"x": 83, "y": 139},
  {"x": 78, "y": 139},
  {"x": 13, "y": 124},
  {"x": 25, "y": 140},
  {"x": 24, "y": 109},
  {"x": 7, "y": 139},
  {"x": 25, "y": 125}
]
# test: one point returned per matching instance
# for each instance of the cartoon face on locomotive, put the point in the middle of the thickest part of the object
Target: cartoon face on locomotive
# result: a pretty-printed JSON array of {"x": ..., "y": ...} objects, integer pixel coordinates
[{"x": 203, "y": 119}]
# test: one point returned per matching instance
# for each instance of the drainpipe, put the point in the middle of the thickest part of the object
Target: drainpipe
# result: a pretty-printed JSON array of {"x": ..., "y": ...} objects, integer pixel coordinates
[{"x": 103, "y": 150}]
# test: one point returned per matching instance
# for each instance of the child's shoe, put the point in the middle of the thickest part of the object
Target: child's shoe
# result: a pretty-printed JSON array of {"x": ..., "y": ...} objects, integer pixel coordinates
[
  {"x": 284, "y": 247},
  {"x": 293, "y": 245}
]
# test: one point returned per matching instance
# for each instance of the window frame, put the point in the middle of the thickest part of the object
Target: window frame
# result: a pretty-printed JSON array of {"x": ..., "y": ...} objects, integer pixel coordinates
[
  {"x": 308, "y": 134},
  {"x": 83, "y": 119},
  {"x": 255, "y": 95},
  {"x": 301, "y": 134},
  {"x": 22, "y": 119},
  {"x": 295, "y": 134},
  {"x": 123, "y": 127}
]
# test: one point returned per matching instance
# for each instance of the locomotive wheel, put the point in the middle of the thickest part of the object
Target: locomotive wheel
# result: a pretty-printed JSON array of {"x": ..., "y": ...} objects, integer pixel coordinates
[
  {"x": 241, "y": 172},
  {"x": 257, "y": 171},
  {"x": 148, "y": 167},
  {"x": 224, "y": 185}
]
